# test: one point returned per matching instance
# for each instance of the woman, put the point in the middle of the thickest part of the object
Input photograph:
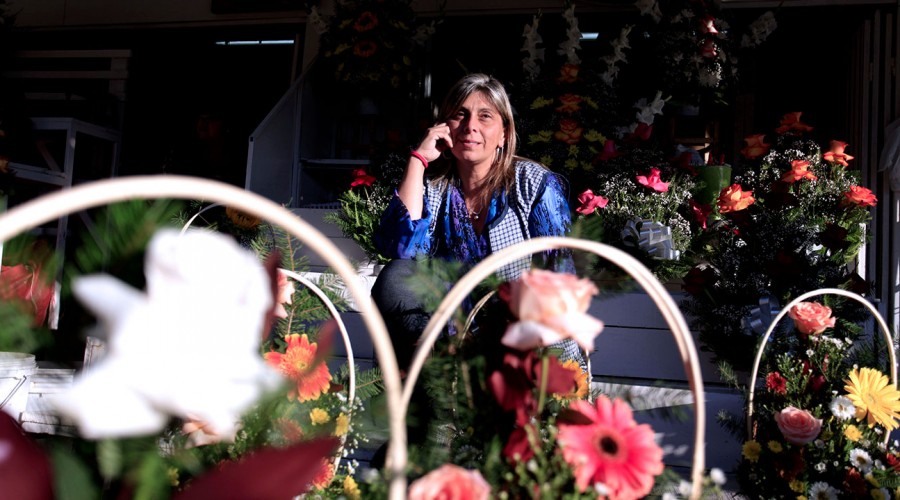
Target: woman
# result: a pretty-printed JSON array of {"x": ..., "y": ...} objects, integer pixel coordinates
[{"x": 480, "y": 199}]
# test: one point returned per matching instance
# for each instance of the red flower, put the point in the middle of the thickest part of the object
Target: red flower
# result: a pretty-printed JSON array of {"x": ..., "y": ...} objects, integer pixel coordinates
[
  {"x": 518, "y": 447},
  {"x": 699, "y": 279},
  {"x": 790, "y": 122},
  {"x": 609, "y": 151},
  {"x": 26, "y": 286},
  {"x": 799, "y": 170},
  {"x": 569, "y": 132},
  {"x": 709, "y": 49},
  {"x": 701, "y": 212},
  {"x": 776, "y": 383},
  {"x": 836, "y": 153},
  {"x": 362, "y": 178},
  {"x": 855, "y": 483},
  {"x": 707, "y": 25},
  {"x": 568, "y": 73},
  {"x": 640, "y": 133},
  {"x": 756, "y": 146},
  {"x": 366, "y": 21},
  {"x": 514, "y": 383},
  {"x": 571, "y": 103},
  {"x": 365, "y": 48},
  {"x": 892, "y": 461},
  {"x": 653, "y": 181},
  {"x": 860, "y": 196},
  {"x": 590, "y": 202}
]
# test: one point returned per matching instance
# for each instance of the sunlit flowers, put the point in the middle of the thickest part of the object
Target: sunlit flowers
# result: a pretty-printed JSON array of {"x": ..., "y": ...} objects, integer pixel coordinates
[
  {"x": 361, "y": 178},
  {"x": 319, "y": 416},
  {"x": 450, "y": 482},
  {"x": 212, "y": 372},
  {"x": 812, "y": 318},
  {"x": 860, "y": 196},
  {"x": 799, "y": 171},
  {"x": 756, "y": 146},
  {"x": 606, "y": 446},
  {"x": 653, "y": 181},
  {"x": 299, "y": 363},
  {"x": 798, "y": 426},
  {"x": 551, "y": 307},
  {"x": 874, "y": 396},
  {"x": 734, "y": 199},
  {"x": 852, "y": 432},
  {"x": 241, "y": 219},
  {"x": 590, "y": 202},
  {"x": 836, "y": 153}
]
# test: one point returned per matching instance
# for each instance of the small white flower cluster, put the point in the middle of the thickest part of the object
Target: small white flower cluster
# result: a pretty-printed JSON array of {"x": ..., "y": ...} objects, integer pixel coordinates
[
  {"x": 572, "y": 44},
  {"x": 759, "y": 30},
  {"x": 532, "y": 40},
  {"x": 618, "y": 55}
]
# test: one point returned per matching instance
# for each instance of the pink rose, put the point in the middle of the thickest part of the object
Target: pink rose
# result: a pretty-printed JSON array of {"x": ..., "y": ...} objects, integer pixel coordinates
[
  {"x": 285, "y": 294},
  {"x": 551, "y": 307},
  {"x": 450, "y": 482},
  {"x": 811, "y": 318},
  {"x": 798, "y": 426}
]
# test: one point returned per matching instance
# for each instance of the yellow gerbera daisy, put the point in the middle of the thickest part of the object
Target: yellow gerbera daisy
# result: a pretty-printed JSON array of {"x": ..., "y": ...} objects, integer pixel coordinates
[
  {"x": 874, "y": 397},
  {"x": 852, "y": 433}
]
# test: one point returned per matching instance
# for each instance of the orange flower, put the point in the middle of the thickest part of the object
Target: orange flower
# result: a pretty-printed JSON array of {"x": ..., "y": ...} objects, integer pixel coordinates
[
  {"x": 365, "y": 48},
  {"x": 365, "y": 22},
  {"x": 569, "y": 132},
  {"x": 734, "y": 198},
  {"x": 570, "y": 103},
  {"x": 299, "y": 363},
  {"x": 861, "y": 196},
  {"x": 241, "y": 219},
  {"x": 799, "y": 170},
  {"x": 756, "y": 146},
  {"x": 580, "y": 390},
  {"x": 790, "y": 122},
  {"x": 325, "y": 475},
  {"x": 812, "y": 318},
  {"x": 568, "y": 73},
  {"x": 836, "y": 153}
]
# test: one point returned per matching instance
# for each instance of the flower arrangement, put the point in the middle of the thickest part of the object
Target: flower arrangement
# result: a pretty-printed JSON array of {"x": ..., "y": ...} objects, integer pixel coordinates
[
  {"x": 792, "y": 220},
  {"x": 213, "y": 383},
  {"x": 370, "y": 44},
  {"x": 508, "y": 416},
  {"x": 823, "y": 415},
  {"x": 363, "y": 203}
]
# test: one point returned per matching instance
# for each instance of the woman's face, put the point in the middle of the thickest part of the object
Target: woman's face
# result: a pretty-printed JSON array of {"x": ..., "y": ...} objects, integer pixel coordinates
[{"x": 477, "y": 130}]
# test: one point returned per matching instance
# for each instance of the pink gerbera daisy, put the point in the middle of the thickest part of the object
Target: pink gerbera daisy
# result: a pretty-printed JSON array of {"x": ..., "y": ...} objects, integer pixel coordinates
[
  {"x": 298, "y": 362},
  {"x": 605, "y": 445}
]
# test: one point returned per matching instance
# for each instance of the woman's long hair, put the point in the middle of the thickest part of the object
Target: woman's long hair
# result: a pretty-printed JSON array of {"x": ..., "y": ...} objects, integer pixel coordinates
[{"x": 502, "y": 171}]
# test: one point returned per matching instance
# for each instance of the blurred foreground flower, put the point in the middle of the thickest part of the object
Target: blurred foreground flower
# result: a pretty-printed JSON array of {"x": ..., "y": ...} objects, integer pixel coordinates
[{"x": 187, "y": 347}]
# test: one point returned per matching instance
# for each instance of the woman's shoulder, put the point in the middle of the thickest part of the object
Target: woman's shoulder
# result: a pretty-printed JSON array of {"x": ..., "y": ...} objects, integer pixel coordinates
[{"x": 528, "y": 165}]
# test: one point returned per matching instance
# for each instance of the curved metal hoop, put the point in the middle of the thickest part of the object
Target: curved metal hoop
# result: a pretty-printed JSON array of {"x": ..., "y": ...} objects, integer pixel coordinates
[
  {"x": 661, "y": 298},
  {"x": 59, "y": 203},
  {"x": 889, "y": 342}
]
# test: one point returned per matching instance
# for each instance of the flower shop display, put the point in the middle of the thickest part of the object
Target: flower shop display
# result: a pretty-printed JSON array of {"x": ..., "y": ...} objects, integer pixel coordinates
[
  {"x": 373, "y": 44},
  {"x": 818, "y": 424},
  {"x": 793, "y": 220},
  {"x": 362, "y": 204},
  {"x": 508, "y": 410},
  {"x": 159, "y": 418}
]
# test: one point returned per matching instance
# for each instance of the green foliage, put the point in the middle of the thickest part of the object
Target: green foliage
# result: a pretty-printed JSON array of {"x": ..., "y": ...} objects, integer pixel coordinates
[{"x": 359, "y": 215}]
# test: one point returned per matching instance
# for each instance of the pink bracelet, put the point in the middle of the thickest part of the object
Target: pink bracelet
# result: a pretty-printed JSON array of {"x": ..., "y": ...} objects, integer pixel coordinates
[{"x": 418, "y": 155}]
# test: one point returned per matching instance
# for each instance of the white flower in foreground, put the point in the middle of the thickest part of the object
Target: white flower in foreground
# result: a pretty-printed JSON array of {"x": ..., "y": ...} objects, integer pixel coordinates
[
  {"x": 861, "y": 459},
  {"x": 187, "y": 347}
]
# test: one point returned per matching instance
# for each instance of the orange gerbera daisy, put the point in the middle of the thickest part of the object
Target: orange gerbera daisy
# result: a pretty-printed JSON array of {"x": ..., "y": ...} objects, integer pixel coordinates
[
  {"x": 324, "y": 477},
  {"x": 298, "y": 362},
  {"x": 580, "y": 391}
]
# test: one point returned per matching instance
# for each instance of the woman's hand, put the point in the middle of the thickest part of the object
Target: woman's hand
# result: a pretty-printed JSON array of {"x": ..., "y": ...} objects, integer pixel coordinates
[{"x": 436, "y": 141}]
